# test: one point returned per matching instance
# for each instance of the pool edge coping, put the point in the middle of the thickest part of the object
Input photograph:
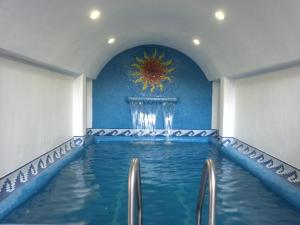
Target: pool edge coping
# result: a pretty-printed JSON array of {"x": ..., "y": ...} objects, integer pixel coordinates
[
  {"x": 19, "y": 185},
  {"x": 277, "y": 175}
]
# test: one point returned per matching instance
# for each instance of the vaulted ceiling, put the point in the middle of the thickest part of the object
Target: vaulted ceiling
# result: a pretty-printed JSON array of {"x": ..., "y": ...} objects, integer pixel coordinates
[{"x": 255, "y": 36}]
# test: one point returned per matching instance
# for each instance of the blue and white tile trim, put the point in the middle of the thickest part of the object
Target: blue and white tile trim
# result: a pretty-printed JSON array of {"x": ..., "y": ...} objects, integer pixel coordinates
[
  {"x": 18, "y": 178},
  {"x": 156, "y": 133},
  {"x": 287, "y": 172},
  {"x": 79, "y": 140}
]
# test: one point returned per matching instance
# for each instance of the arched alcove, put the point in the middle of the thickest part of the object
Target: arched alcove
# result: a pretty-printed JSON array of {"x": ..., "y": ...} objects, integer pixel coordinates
[{"x": 119, "y": 80}]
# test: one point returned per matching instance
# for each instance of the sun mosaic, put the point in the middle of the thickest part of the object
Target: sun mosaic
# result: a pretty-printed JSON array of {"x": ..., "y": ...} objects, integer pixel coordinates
[{"x": 152, "y": 71}]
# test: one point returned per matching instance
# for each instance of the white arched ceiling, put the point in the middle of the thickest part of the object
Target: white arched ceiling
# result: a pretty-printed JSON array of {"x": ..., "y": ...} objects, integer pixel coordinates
[{"x": 255, "y": 36}]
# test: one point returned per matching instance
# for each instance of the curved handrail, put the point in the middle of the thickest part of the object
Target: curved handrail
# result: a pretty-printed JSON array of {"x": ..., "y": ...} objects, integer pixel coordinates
[
  {"x": 134, "y": 193},
  {"x": 208, "y": 172}
]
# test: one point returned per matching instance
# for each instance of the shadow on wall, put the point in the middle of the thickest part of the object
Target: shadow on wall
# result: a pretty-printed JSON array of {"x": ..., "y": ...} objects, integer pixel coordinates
[{"x": 152, "y": 71}]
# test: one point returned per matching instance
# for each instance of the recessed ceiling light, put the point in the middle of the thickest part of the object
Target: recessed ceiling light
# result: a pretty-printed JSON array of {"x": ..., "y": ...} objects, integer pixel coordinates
[
  {"x": 196, "y": 41},
  {"x": 111, "y": 41},
  {"x": 94, "y": 14},
  {"x": 220, "y": 15}
]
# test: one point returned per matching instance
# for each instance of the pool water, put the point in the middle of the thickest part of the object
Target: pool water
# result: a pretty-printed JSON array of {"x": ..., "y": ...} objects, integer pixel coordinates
[{"x": 93, "y": 189}]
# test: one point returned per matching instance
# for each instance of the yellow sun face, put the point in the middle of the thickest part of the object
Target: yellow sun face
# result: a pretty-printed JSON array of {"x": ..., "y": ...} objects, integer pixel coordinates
[{"x": 152, "y": 71}]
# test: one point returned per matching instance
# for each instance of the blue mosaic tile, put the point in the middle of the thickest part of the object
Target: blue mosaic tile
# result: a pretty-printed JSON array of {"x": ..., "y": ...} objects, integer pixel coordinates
[
  {"x": 155, "y": 133},
  {"x": 79, "y": 140},
  {"x": 289, "y": 173},
  {"x": 16, "y": 179}
]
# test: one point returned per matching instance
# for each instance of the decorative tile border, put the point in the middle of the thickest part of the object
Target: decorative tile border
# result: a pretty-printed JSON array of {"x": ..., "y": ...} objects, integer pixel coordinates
[
  {"x": 156, "y": 133},
  {"x": 79, "y": 140},
  {"x": 18, "y": 178},
  {"x": 287, "y": 172}
]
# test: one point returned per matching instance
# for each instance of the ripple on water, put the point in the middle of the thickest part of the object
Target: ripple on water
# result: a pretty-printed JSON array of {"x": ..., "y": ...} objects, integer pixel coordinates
[{"x": 93, "y": 189}]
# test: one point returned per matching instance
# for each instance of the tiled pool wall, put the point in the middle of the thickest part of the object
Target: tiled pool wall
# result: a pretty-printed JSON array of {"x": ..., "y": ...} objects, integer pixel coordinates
[
  {"x": 157, "y": 135},
  {"x": 277, "y": 175},
  {"x": 19, "y": 185}
]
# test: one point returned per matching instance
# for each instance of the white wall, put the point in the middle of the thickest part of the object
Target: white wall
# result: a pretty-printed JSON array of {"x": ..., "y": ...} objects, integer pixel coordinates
[
  {"x": 227, "y": 107},
  {"x": 79, "y": 106},
  {"x": 35, "y": 113},
  {"x": 268, "y": 113},
  {"x": 89, "y": 103},
  {"x": 215, "y": 105}
]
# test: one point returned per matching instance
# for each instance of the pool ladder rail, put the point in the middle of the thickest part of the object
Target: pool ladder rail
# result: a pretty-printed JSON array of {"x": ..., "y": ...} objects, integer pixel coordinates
[
  {"x": 135, "y": 193},
  {"x": 208, "y": 175}
]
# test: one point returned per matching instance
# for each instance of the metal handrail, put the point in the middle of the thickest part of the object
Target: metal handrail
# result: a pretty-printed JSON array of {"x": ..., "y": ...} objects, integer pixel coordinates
[
  {"x": 134, "y": 193},
  {"x": 208, "y": 172}
]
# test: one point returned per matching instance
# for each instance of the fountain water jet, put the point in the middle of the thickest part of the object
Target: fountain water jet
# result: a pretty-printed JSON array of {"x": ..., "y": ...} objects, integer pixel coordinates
[
  {"x": 168, "y": 114},
  {"x": 144, "y": 112}
]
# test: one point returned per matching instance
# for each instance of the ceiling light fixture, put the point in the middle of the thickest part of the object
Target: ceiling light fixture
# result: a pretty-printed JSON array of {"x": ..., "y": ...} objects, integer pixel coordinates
[
  {"x": 220, "y": 15},
  {"x": 94, "y": 14},
  {"x": 111, "y": 40},
  {"x": 196, "y": 41}
]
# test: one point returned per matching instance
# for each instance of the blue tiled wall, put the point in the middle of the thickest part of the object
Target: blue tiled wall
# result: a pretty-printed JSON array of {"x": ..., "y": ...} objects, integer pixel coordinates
[{"x": 114, "y": 85}]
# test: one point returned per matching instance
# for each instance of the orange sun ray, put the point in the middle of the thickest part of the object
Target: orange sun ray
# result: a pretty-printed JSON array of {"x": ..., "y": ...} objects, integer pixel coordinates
[{"x": 152, "y": 71}]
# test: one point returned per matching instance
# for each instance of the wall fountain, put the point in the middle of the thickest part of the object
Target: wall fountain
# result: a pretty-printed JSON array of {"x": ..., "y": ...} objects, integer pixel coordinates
[{"x": 145, "y": 113}]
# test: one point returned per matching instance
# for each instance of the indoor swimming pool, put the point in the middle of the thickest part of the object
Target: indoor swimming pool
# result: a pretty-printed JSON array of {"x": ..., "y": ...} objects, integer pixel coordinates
[{"x": 93, "y": 189}]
